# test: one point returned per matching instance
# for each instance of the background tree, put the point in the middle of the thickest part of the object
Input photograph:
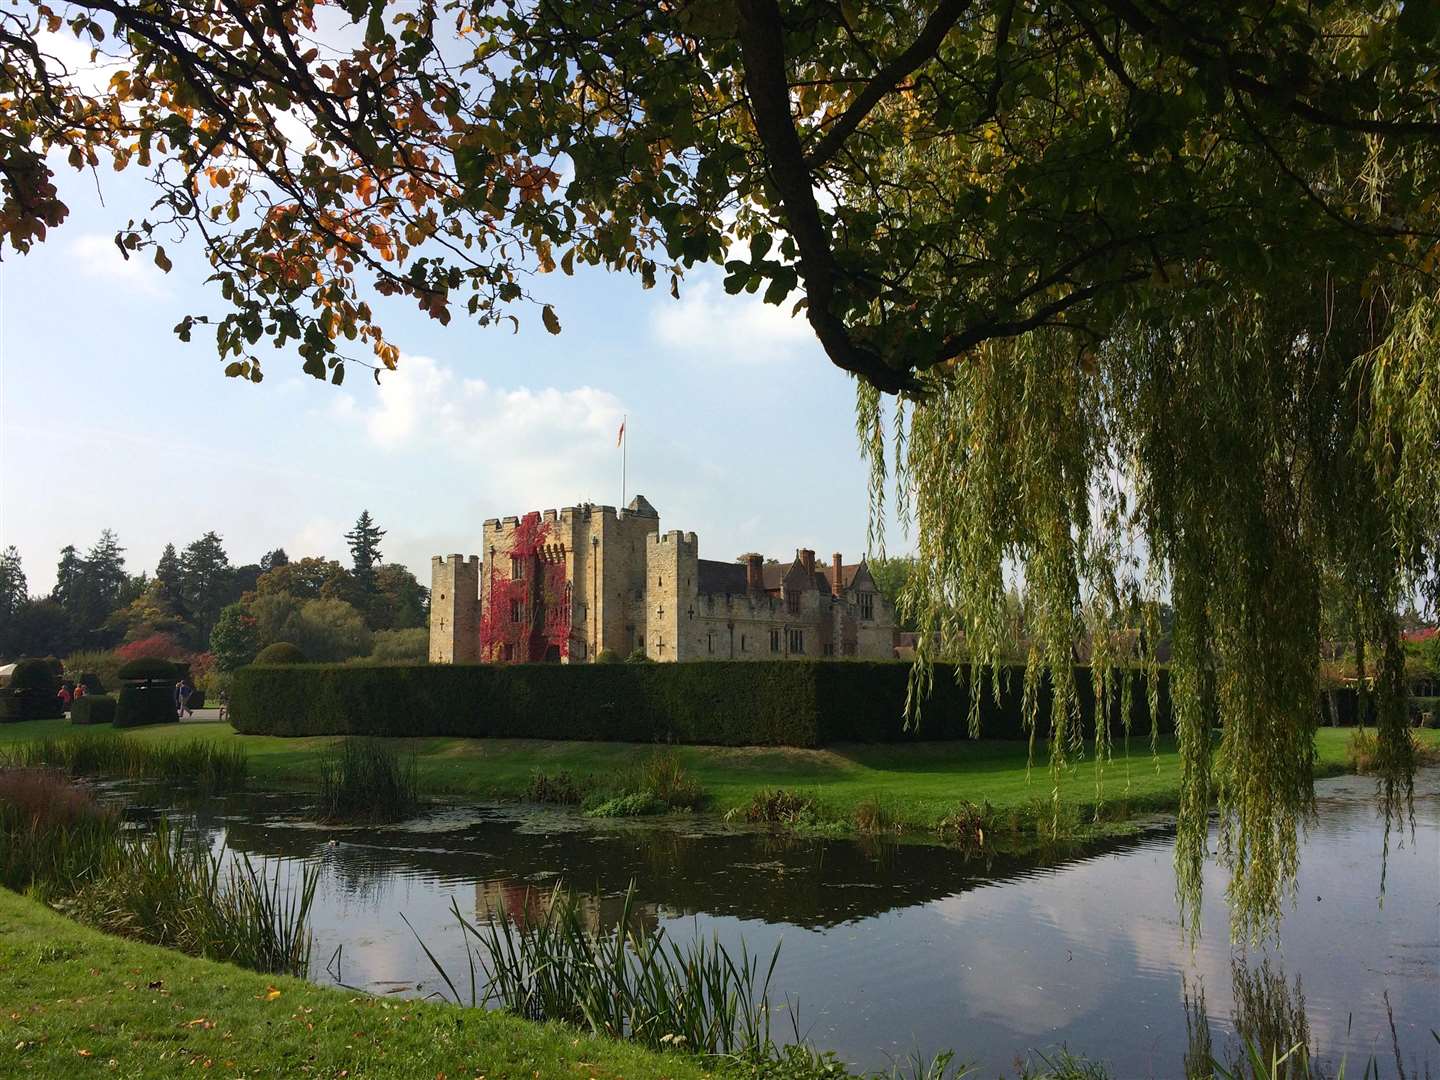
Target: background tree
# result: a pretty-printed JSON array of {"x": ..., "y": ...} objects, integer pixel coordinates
[
  {"x": 169, "y": 571},
  {"x": 272, "y": 559},
  {"x": 235, "y": 639},
  {"x": 399, "y": 600},
  {"x": 364, "y": 542},
  {"x": 14, "y": 595},
  {"x": 330, "y": 630},
  {"x": 309, "y": 578},
  {"x": 207, "y": 582}
]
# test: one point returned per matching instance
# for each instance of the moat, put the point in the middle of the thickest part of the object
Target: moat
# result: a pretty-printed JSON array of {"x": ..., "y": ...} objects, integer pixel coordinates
[{"x": 889, "y": 950}]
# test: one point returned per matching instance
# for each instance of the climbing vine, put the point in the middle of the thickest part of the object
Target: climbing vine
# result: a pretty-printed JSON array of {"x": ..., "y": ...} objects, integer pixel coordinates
[{"x": 527, "y": 612}]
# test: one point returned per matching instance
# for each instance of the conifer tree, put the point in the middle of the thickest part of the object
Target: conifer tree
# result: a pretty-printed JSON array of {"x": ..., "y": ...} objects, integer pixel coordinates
[{"x": 364, "y": 541}]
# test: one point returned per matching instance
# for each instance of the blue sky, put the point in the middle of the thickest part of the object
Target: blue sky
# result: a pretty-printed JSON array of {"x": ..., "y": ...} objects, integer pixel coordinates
[{"x": 740, "y": 429}]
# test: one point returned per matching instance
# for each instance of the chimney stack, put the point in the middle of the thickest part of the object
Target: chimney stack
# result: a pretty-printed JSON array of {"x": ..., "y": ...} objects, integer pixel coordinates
[
  {"x": 837, "y": 575},
  {"x": 807, "y": 560},
  {"x": 755, "y": 572}
]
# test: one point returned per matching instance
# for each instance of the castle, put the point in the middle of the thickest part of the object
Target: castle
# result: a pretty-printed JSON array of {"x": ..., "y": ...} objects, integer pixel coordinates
[{"x": 565, "y": 586}]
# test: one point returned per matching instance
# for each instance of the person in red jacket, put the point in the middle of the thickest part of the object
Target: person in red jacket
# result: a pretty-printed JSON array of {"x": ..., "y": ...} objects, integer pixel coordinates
[{"x": 64, "y": 696}]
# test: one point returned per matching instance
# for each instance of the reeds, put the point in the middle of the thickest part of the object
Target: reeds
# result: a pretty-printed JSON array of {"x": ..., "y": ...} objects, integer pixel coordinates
[
  {"x": 365, "y": 780},
  {"x": 165, "y": 889},
  {"x": 628, "y": 981},
  {"x": 777, "y": 806},
  {"x": 653, "y": 785},
  {"x": 54, "y": 835},
  {"x": 198, "y": 762}
]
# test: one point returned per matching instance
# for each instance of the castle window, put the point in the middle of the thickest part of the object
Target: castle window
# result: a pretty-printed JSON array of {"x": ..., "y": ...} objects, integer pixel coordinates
[
  {"x": 517, "y": 568},
  {"x": 829, "y": 649},
  {"x": 795, "y": 641},
  {"x": 792, "y": 601},
  {"x": 867, "y": 605},
  {"x": 517, "y": 611},
  {"x": 742, "y": 642},
  {"x": 710, "y": 643},
  {"x": 774, "y": 640}
]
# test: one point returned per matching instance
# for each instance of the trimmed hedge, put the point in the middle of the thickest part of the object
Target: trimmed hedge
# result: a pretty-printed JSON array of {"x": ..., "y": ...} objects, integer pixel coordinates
[
  {"x": 93, "y": 709},
  {"x": 140, "y": 705},
  {"x": 149, "y": 669},
  {"x": 779, "y": 703}
]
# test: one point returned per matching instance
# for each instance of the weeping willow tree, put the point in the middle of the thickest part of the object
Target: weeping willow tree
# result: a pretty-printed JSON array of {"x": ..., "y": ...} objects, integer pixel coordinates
[
  {"x": 1221, "y": 448},
  {"x": 1152, "y": 285}
]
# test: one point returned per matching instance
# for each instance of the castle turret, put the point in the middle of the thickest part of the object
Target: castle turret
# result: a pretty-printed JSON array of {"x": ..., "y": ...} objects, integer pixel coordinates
[{"x": 454, "y": 609}]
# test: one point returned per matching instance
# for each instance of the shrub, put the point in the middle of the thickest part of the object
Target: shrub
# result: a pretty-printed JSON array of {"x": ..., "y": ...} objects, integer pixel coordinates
[
  {"x": 637, "y": 657},
  {"x": 149, "y": 669},
  {"x": 662, "y": 775},
  {"x": 139, "y": 705},
  {"x": 150, "y": 647},
  {"x": 282, "y": 652},
  {"x": 607, "y": 656},
  {"x": 396, "y": 646},
  {"x": 103, "y": 663},
  {"x": 93, "y": 709}
]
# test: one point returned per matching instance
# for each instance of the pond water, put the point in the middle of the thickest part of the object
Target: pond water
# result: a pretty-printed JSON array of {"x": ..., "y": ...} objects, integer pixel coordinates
[{"x": 892, "y": 949}]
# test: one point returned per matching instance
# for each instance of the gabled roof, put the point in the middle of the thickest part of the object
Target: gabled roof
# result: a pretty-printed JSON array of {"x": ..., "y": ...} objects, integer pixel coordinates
[{"x": 847, "y": 573}]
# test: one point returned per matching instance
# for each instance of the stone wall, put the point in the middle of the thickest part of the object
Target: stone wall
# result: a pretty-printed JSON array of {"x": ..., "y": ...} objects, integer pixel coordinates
[{"x": 454, "y": 610}]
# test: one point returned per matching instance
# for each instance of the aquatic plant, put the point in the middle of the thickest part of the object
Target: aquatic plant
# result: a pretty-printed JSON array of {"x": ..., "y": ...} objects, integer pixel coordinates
[
  {"x": 560, "y": 788},
  {"x": 873, "y": 816},
  {"x": 626, "y": 981},
  {"x": 777, "y": 806},
  {"x": 661, "y": 774},
  {"x": 168, "y": 890},
  {"x": 636, "y": 804},
  {"x": 967, "y": 824},
  {"x": 200, "y": 762},
  {"x": 366, "y": 780}
]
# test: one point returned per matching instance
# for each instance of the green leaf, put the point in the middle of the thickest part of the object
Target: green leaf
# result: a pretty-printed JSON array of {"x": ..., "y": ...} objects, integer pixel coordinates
[
  {"x": 1419, "y": 20},
  {"x": 547, "y": 315},
  {"x": 315, "y": 367},
  {"x": 760, "y": 246},
  {"x": 236, "y": 368},
  {"x": 162, "y": 260},
  {"x": 338, "y": 375}
]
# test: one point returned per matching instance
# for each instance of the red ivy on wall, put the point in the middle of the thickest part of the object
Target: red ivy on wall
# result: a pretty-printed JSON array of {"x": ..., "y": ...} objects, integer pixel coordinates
[{"x": 527, "y": 613}]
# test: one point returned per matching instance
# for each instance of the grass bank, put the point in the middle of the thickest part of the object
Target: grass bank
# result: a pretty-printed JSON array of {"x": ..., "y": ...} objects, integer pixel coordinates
[
  {"x": 917, "y": 785},
  {"x": 78, "y": 1001}
]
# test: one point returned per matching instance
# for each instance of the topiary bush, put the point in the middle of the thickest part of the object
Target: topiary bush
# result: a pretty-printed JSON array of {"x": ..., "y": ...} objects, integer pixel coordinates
[
  {"x": 281, "y": 652},
  {"x": 142, "y": 704},
  {"x": 31, "y": 693},
  {"x": 93, "y": 709},
  {"x": 149, "y": 669}
]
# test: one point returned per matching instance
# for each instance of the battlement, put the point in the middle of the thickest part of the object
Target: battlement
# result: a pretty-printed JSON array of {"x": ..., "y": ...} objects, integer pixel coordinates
[
  {"x": 683, "y": 540},
  {"x": 437, "y": 561}
]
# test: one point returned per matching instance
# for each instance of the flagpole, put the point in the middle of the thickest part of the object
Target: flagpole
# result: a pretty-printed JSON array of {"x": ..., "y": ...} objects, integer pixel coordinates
[{"x": 624, "y": 454}]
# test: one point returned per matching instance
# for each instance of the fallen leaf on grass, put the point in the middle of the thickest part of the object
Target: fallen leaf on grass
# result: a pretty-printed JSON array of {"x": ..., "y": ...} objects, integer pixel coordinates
[{"x": 271, "y": 994}]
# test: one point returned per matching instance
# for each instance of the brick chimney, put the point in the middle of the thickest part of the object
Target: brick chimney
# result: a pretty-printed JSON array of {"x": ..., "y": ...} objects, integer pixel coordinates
[
  {"x": 837, "y": 575},
  {"x": 755, "y": 572},
  {"x": 807, "y": 560}
]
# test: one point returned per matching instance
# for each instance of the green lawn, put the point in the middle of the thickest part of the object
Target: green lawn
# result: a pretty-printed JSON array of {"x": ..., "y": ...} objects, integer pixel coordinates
[
  {"x": 80, "y": 1003},
  {"x": 919, "y": 783}
]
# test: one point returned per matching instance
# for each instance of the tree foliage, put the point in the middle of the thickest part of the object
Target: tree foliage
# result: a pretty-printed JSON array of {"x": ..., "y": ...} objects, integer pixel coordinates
[{"x": 1155, "y": 287}]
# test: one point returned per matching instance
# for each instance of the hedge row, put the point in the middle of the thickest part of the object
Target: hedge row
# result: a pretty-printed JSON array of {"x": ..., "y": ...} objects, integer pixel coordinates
[{"x": 782, "y": 703}]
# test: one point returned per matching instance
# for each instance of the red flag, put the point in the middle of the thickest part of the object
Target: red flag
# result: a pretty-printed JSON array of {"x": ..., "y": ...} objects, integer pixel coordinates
[{"x": 620, "y": 437}]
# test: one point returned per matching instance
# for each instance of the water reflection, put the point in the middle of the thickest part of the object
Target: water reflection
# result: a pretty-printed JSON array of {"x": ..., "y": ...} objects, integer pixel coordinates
[{"x": 902, "y": 949}]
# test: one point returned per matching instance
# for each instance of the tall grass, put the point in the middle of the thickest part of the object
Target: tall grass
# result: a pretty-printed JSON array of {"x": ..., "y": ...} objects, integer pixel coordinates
[
  {"x": 55, "y": 836},
  {"x": 206, "y": 764},
  {"x": 165, "y": 889},
  {"x": 61, "y": 846},
  {"x": 627, "y": 982},
  {"x": 654, "y": 784},
  {"x": 365, "y": 780}
]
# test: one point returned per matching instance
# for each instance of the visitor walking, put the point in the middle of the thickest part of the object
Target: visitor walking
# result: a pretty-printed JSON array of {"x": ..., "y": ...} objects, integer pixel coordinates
[
  {"x": 64, "y": 695},
  {"x": 183, "y": 691}
]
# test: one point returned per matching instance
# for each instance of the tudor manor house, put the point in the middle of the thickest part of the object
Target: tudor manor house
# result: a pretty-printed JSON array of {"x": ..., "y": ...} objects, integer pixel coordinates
[{"x": 563, "y": 586}]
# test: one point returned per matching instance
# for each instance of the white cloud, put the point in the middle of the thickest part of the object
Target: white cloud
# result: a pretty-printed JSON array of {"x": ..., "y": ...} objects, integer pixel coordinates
[
  {"x": 508, "y": 447},
  {"x": 710, "y": 325},
  {"x": 95, "y": 255}
]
